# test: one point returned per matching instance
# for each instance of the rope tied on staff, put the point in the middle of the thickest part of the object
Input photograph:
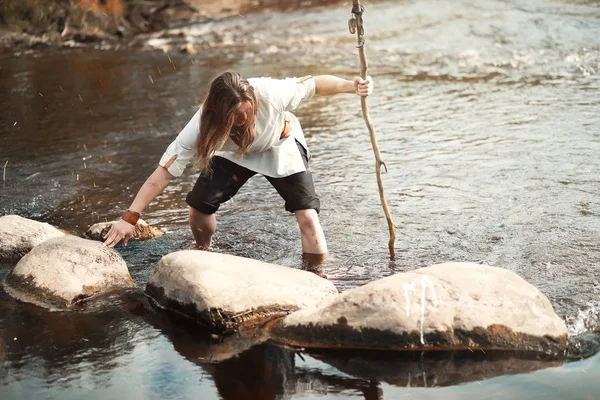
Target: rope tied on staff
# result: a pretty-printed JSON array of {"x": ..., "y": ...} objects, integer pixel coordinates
[
  {"x": 355, "y": 25},
  {"x": 356, "y": 22}
]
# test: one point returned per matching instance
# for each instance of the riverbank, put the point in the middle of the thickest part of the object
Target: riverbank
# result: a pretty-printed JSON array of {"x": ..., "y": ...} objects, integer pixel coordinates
[{"x": 38, "y": 24}]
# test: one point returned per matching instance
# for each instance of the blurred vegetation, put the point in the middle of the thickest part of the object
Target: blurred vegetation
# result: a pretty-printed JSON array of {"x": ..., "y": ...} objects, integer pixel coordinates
[
  {"x": 90, "y": 20},
  {"x": 34, "y": 16},
  {"x": 33, "y": 22}
]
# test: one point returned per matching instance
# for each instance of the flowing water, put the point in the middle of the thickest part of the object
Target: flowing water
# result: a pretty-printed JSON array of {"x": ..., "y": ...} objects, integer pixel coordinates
[{"x": 488, "y": 117}]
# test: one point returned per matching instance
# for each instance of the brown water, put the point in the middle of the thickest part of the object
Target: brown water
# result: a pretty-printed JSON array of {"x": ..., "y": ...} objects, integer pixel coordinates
[{"x": 488, "y": 117}]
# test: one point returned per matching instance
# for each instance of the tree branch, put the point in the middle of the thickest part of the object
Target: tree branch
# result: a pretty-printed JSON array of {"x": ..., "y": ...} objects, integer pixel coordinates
[{"x": 356, "y": 26}]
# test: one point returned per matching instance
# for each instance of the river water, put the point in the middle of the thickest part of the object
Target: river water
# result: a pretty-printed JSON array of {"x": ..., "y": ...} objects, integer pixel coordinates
[{"x": 488, "y": 118}]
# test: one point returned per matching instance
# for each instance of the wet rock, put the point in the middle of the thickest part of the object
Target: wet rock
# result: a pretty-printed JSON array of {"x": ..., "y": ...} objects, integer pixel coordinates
[
  {"x": 188, "y": 49},
  {"x": 143, "y": 231},
  {"x": 19, "y": 235},
  {"x": 226, "y": 292},
  {"x": 271, "y": 50},
  {"x": 443, "y": 307},
  {"x": 584, "y": 345},
  {"x": 66, "y": 270}
]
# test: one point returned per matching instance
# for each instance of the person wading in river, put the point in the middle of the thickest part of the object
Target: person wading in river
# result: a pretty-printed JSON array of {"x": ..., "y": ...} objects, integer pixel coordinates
[{"x": 244, "y": 127}]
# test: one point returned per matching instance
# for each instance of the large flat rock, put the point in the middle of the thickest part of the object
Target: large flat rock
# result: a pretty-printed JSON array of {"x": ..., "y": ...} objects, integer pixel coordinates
[
  {"x": 66, "y": 270},
  {"x": 19, "y": 235},
  {"x": 227, "y": 292},
  {"x": 443, "y": 307}
]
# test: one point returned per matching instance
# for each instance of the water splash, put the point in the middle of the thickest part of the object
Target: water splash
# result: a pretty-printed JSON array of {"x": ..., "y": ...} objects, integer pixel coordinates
[{"x": 584, "y": 332}]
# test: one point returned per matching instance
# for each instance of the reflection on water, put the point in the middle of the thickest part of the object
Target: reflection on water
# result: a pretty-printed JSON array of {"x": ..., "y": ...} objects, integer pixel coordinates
[
  {"x": 435, "y": 369},
  {"x": 486, "y": 114},
  {"x": 91, "y": 346}
]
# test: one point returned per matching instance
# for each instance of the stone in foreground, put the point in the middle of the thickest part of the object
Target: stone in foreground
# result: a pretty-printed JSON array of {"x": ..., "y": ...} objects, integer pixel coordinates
[
  {"x": 66, "y": 270},
  {"x": 19, "y": 235},
  {"x": 228, "y": 292},
  {"x": 143, "y": 231},
  {"x": 443, "y": 307}
]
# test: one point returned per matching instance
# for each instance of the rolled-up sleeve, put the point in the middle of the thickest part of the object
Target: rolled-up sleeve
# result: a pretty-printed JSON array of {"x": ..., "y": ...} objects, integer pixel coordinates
[
  {"x": 296, "y": 90},
  {"x": 181, "y": 151},
  {"x": 286, "y": 94}
]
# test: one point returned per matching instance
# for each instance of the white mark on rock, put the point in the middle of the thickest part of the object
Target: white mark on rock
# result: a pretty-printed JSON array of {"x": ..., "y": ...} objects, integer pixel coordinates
[
  {"x": 434, "y": 302},
  {"x": 408, "y": 287},
  {"x": 426, "y": 283},
  {"x": 422, "y": 307}
]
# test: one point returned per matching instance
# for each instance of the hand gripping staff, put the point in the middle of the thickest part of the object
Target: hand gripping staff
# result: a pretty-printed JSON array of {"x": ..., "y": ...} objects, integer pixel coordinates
[{"x": 355, "y": 24}]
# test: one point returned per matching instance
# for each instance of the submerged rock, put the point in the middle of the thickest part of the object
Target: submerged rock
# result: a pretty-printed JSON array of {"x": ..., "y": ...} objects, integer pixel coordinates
[
  {"x": 66, "y": 270},
  {"x": 143, "y": 231},
  {"x": 584, "y": 345},
  {"x": 443, "y": 307},
  {"x": 227, "y": 292},
  {"x": 19, "y": 235}
]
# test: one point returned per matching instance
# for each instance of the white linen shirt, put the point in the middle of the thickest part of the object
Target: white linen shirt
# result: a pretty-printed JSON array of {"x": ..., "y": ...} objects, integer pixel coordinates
[{"x": 269, "y": 154}]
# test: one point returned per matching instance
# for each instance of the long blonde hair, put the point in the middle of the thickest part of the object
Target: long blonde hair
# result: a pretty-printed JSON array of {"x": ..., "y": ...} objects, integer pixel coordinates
[{"x": 217, "y": 121}]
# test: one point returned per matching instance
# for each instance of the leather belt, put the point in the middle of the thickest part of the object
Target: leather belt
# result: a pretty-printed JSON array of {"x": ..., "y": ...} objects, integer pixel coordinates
[{"x": 286, "y": 126}]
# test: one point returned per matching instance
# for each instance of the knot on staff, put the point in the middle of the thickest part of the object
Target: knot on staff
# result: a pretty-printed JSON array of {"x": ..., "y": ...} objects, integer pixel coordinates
[{"x": 356, "y": 23}]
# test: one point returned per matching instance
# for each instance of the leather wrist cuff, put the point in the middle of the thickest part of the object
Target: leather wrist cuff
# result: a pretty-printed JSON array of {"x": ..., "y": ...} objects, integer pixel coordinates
[{"x": 130, "y": 216}]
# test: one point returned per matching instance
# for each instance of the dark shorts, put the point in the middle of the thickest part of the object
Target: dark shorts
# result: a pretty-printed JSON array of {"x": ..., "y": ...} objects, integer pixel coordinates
[{"x": 210, "y": 191}]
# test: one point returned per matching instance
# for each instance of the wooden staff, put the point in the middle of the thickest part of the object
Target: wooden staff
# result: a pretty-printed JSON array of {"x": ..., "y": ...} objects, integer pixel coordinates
[{"x": 356, "y": 26}]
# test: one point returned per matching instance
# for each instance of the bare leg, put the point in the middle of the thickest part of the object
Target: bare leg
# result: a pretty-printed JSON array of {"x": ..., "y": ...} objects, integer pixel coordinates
[
  {"x": 313, "y": 239},
  {"x": 203, "y": 227}
]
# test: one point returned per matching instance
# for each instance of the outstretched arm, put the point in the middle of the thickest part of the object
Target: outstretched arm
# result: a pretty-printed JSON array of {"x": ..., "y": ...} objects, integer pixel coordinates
[
  {"x": 179, "y": 153},
  {"x": 327, "y": 85},
  {"x": 155, "y": 183}
]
